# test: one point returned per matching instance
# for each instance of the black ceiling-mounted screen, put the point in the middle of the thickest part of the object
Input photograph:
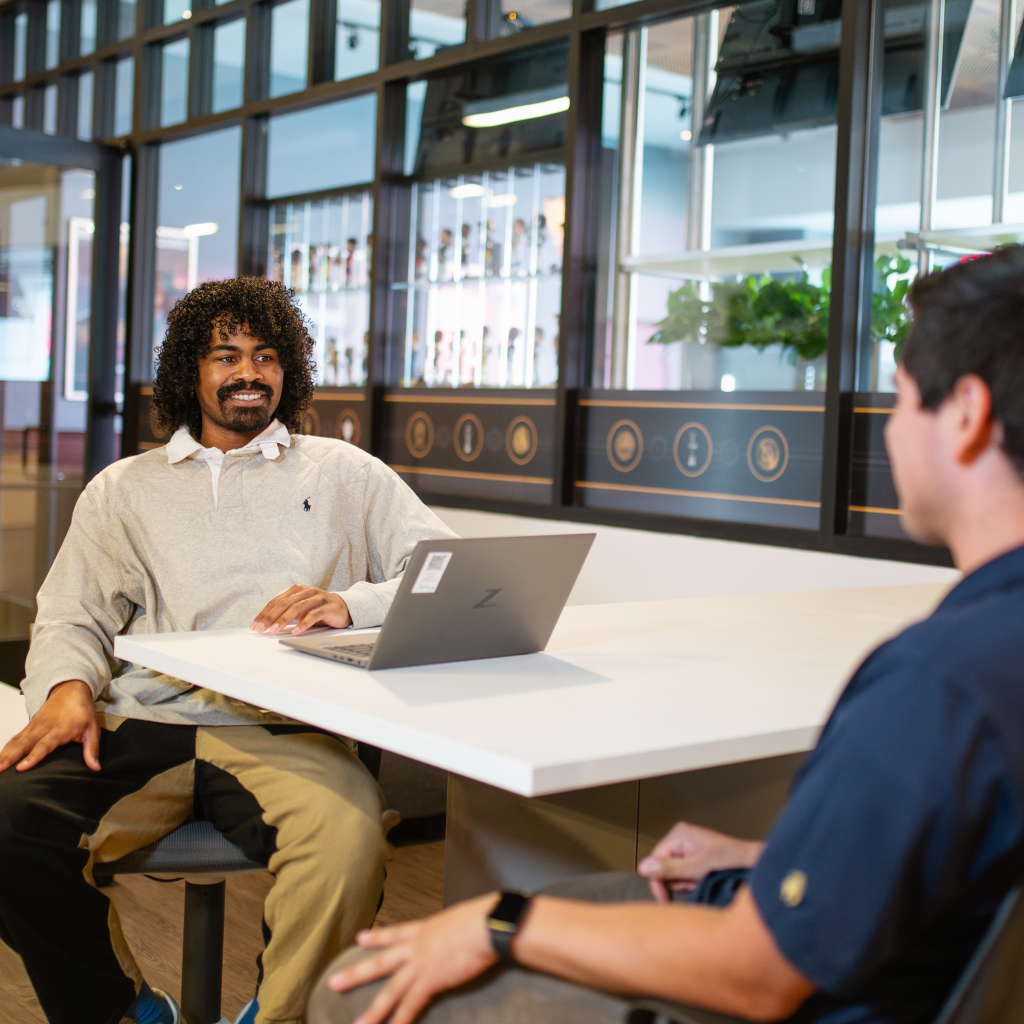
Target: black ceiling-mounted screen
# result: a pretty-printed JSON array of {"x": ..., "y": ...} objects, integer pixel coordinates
[
  {"x": 447, "y": 146},
  {"x": 778, "y": 66}
]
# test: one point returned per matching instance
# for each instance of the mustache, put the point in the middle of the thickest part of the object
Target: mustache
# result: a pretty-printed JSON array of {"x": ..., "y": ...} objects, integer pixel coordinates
[{"x": 227, "y": 390}]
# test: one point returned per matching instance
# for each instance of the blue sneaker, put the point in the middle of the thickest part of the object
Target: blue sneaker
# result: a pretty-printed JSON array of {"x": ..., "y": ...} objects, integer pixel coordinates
[
  {"x": 247, "y": 1015},
  {"x": 152, "y": 1006}
]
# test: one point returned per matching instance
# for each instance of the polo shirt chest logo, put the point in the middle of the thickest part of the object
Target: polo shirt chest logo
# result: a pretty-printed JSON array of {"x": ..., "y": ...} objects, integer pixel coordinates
[
  {"x": 793, "y": 887},
  {"x": 306, "y": 505}
]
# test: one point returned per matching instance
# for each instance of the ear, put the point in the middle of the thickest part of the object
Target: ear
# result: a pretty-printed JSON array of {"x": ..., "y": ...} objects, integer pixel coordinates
[{"x": 968, "y": 415}]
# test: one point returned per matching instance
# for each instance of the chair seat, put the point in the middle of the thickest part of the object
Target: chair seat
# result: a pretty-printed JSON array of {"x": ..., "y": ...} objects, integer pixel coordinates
[{"x": 196, "y": 848}]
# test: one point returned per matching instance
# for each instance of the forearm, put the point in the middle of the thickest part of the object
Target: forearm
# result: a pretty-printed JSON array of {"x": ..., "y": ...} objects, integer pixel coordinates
[{"x": 684, "y": 953}]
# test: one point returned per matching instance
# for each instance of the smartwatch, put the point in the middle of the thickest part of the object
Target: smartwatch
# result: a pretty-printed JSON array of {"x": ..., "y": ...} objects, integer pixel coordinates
[{"x": 503, "y": 923}]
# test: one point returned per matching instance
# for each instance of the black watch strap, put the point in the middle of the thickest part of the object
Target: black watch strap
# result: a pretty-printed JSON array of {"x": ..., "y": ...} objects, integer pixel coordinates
[{"x": 503, "y": 923}]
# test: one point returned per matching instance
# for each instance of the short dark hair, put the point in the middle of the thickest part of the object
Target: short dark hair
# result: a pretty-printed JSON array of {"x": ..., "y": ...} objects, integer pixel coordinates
[
  {"x": 970, "y": 319},
  {"x": 267, "y": 310}
]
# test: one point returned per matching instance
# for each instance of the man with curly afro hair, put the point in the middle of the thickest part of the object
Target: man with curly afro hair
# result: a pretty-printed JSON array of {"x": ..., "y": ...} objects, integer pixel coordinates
[{"x": 238, "y": 521}]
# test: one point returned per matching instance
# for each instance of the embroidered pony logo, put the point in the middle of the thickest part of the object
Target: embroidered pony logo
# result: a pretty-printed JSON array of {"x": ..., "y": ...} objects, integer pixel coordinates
[{"x": 306, "y": 505}]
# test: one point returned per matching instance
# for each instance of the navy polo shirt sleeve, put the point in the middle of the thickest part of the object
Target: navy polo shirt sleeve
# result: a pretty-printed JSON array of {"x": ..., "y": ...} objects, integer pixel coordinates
[{"x": 902, "y": 805}]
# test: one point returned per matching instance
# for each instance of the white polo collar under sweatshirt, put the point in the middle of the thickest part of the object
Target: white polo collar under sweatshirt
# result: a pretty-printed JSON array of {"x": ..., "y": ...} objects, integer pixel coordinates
[{"x": 183, "y": 445}]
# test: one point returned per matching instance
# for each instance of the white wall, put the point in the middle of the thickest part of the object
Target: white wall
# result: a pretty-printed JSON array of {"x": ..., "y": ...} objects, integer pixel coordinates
[{"x": 639, "y": 565}]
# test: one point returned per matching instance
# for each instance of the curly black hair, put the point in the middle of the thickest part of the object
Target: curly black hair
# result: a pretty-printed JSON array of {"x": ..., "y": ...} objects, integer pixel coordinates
[{"x": 267, "y": 310}]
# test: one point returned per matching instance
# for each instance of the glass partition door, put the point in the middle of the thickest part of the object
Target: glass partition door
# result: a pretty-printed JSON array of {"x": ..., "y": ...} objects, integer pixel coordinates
[{"x": 46, "y": 228}]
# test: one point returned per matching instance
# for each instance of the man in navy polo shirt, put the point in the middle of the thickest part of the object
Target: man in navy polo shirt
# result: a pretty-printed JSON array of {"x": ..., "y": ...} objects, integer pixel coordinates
[{"x": 905, "y": 827}]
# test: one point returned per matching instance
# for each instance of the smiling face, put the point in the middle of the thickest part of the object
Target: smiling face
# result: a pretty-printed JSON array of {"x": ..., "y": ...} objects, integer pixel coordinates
[{"x": 239, "y": 387}]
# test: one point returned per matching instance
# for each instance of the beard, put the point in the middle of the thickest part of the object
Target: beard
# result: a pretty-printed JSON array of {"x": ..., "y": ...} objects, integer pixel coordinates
[{"x": 240, "y": 420}]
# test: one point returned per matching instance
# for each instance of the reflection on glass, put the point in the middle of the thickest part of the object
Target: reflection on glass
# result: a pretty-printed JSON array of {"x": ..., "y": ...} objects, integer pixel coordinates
[
  {"x": 415, "y": 95},
  {"x": 435, "y": 25},
  {"x": 45, "y": 222},
  {"x": 289, "y": 35},
  {"x": 177, "y": 10},
  {"x": 482, "y": 289},
  {"x": 84, "y": 118},
  {"x": 322, "y": 250},
  {"x": 720, "y": 220},
  {"x": 512, "y": 16},
  {"x": 20, "y": 45},
  {"x": 53, "y": 8},
  {"x": 124, "y": 92},
  {"x": 228, "y": 65},
  {"x": 322, "y": 148},
  {"x": 18, "y": 111},
  {"x": 125, "y": 19},
  {"x": 87, "y": 28},
  {"x": 197, "y": 217},
  {"x": 50, "y": 109},
  {"x": 174, "y": 83},
  {"x": 357, "y": 43}
]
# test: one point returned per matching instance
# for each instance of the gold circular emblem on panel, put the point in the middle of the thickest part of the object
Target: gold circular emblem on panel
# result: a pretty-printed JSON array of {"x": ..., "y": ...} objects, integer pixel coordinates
[
  {"x": 686, "y": 449},
  {"x": 469, "y": 437},
  {"x": 625, "y": 445},
  {"x": 521, "y": 440},
  {"x": 768, "y": 453},
  {"x": 348, "y": 427},
  {"x": 419, "y": 434},
  {"x": 310, "y": 422}
]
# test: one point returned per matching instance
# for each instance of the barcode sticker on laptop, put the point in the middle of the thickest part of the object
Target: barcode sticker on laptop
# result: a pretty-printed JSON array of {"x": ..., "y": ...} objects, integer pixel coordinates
[{"x": 431, "y": 573}]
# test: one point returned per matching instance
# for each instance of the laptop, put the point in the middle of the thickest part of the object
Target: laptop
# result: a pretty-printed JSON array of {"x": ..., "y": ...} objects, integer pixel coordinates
[{"x": 465, "y": 599}]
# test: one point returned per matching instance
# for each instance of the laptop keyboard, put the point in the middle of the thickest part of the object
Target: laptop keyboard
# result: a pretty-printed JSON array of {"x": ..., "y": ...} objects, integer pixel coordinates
[{"x": 351, "y": 652}]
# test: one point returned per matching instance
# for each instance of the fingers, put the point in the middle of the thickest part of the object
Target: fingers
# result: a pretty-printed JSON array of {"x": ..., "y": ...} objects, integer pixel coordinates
[
  {"x": 370, "y": 969},
  {"x": 658, "y": 890},
  {"x": 44, "y": 746},
  {"x": 387, "y": 999},
  {"x": 15, "y": 748},
  {"x": 91, "y": 745},
  {"x": 272, "y": 610},
  {"x": 672, "y": 869},
  {"x": 306, "y": 606},
  {"x": 383, "y": 938},
  {"x": 416, "y": 998}
]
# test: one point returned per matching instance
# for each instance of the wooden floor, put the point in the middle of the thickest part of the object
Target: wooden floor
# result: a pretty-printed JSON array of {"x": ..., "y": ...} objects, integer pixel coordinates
[{"x": 151, "y": 915}]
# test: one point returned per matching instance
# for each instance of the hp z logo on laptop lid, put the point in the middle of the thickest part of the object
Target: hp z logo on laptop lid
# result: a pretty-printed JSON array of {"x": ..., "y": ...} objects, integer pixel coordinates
[{"x": 489, "y": 597}]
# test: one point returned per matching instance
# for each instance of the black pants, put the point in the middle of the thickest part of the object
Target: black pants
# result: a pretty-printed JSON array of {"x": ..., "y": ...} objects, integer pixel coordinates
[{"x": 268, "y": 789}]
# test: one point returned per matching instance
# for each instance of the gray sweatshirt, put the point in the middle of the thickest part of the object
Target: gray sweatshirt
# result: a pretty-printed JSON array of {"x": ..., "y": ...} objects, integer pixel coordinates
[{"x": 181, "y": 539}]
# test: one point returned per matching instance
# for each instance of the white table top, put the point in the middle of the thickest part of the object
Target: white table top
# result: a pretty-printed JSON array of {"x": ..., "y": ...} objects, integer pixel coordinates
[{"x": 623, "y": 691}]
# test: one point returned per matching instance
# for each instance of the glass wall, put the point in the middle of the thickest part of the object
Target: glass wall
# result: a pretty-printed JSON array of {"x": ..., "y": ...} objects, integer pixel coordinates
[
  {"x": 45, "y": 273},
  {"x": 289, "y": 35},
  {"x": 124, "y": 95},
  {"x": 482, "y": 285},
  {"x": 228, "y": 66},
  {"x": 717, "y": 183},
  {"x": 322, "y": 250},
  {"x": 484, "y": 280},
  {"x": 948, "y": 189},
  {"x": 174, "y": 83},
  {"x": 197, "y": 218},
  {"x": 357, "y": 40},
  {"x": 435, "y": 25}
]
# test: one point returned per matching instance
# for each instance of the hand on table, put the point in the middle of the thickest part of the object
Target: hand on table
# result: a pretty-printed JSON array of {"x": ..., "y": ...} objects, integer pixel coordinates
[
  {"x": 688, "y": 853},
  {"x": 307, "y": 606},
  {"x": 68, "y": 716},
  {"x": 422, "y": 959}
]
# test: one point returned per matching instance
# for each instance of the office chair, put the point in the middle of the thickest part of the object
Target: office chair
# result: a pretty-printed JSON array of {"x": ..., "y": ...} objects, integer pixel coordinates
[
  {"x": 193, "y": 849},
  {"x": 990, "y": 989}
]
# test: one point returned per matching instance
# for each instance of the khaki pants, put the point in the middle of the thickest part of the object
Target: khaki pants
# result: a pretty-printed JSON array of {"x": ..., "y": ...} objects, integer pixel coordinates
[
  {"x": 291, "y": 796},
  {"x": 512, "y": 995}
]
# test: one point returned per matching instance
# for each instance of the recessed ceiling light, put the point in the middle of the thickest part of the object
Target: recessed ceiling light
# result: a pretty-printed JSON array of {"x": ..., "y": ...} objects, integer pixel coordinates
[
  {"x": 467, "y": 191},
  {"x": 686, "y": 135}
]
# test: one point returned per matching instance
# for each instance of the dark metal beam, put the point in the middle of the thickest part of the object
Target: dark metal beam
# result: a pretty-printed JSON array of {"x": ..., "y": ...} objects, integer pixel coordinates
[
  {"x": 860, "y": 86},
  {"x": 101, "y": 412}
]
